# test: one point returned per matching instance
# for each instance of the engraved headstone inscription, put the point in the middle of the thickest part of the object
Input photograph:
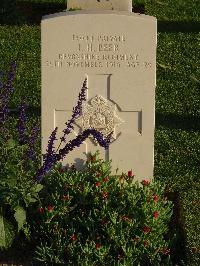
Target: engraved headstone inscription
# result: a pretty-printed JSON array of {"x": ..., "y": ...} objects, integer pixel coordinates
[{"x": 116, "y": 52}]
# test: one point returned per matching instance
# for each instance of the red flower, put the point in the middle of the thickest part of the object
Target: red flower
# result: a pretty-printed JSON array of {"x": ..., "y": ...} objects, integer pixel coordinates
[
  {"x": 105, "y": 195},
  {"x": 155, "y": 215},
  {"x": 97, "y": 246},
  {"x": 41, "y": 209},
  {"x": 74, "y": 237},
  {"x": 97, "y": 184},
  {"x": 135, "y": 239},
  {"x": 66, "y": 197},
  {"x": 125, "y": 218},
  {"x": 165, "y": 251},
  {"x": 146, "y": 229},
  {"x": 50, "y": 208},
  {"x": 104, "y": 221},
  {"x": 146, "y": 243},
  {"x": 145, "y": 182},
  {"x": 105, "y": 179},
  {"x": 155, "y": 198},
  {"x": 130, "y": 173}
]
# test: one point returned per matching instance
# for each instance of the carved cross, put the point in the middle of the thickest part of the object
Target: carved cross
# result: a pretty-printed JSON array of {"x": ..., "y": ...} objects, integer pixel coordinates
[{"x": 101, "y": 112}]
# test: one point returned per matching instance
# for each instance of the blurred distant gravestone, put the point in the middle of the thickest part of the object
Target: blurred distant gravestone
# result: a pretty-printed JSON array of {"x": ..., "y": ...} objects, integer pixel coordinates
[{"x": 121, "y": 5}]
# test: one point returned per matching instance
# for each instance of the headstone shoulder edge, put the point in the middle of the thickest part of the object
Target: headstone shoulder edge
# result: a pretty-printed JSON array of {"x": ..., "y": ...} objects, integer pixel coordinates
[{"x": 96, "y": 12}]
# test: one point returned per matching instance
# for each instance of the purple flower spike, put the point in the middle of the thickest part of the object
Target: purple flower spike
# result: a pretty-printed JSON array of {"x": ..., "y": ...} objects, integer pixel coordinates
[
  {"x": 76, "y": 111},
  {"x": 49, "y": 158},
  {"x": 53, "y": 156},
  {"x": 50, "y": 147},
  {"x": 104, "y": 142},
  {"x": 1, "y": 83},
  {"x": 22, "y": 122},
  {"x": 32, "y": 142}
]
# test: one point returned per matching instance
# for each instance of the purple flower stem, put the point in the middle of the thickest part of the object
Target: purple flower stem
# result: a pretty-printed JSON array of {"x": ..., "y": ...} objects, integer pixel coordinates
[
  {"x": 49, "y": 158},
  {"x": 32, "y": 142},
  {"x": 103, "y": 142},
  {"x": 76, "y": 113},
  {"x": 52, "y": 158},
  {"x": 22, "y": 123}
]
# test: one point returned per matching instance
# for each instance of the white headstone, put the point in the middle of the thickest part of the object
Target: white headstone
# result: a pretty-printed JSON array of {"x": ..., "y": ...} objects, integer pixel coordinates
[{"x": 116, "y": 52}]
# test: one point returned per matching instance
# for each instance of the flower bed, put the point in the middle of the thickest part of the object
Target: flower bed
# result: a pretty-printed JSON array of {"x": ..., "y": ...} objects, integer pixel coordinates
[{"x": 92, "y": 218}]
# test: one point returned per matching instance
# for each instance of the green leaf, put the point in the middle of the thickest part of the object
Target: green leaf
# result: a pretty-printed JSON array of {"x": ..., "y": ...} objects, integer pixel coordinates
[
  {"x": 7, "y": 233},
  {"x": 11, "y": 143},
  {"x": 32, "y": 200},
  {"x": 194, "y": 78},
  {"x": 161, "y": 3},
  {"x": 20, "y": 217},
  {"x": 38, "y": 187},
  {"x": 11, "y": 181},
  {"x": 164, "y": 66},
  {"x": 29, "y": 199}
]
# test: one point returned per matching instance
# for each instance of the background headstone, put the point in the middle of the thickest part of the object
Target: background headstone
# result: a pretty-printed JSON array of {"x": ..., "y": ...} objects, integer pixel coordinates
[
  {"x": 122, "y": 5},
  {"x": 116, "y": 52}
]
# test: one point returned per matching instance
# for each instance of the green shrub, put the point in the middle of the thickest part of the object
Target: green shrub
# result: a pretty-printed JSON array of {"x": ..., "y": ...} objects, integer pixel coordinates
[
  {"x": 17, "y": 191},
  {"x": 93, "y": 218},
  {"x": 18, "y": 165}
]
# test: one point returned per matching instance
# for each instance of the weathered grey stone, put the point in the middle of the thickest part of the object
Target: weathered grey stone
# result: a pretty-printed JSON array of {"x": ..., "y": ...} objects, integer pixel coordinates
[
  {"x": 116, "y": 52},
  {"x": 122, "y": 5}
]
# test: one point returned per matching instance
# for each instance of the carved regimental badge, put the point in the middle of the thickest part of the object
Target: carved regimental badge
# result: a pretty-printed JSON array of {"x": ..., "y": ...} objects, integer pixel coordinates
[{"x": 99, "y": 114}]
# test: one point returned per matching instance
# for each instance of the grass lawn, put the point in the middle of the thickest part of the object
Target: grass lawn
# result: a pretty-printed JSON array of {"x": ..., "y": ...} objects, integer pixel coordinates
[{"x": 177, "y": 135}]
